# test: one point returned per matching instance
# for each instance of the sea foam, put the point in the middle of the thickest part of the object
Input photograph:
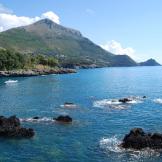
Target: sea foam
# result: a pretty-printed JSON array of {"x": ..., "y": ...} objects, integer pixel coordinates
[
  {"x": 43, "y": 120},
  {"x": 115, "y": 103},
  {"x": 158, "y": 100},
  {"x": 11, "y": 81},
  {"x": 112, "y": 144}
]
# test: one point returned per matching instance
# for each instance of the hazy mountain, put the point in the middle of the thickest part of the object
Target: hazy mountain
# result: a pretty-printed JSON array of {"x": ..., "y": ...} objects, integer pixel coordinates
[{"x": 150, "y": 62}]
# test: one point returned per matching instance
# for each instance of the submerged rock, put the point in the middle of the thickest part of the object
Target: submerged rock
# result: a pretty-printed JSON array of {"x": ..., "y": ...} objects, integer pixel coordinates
[
  {"x": 36, "y": 117},
  {"x": 69, "y": 105},
  {"x": 138, "y": 139},
  {"x": 11, "y": 127},
  {"x": 64, "y": 119},
  {"x": 125, "y": 100}
]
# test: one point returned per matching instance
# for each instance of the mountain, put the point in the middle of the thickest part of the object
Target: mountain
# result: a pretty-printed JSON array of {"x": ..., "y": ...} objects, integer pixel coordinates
[
  {"x": 123, "y": 60},
  {"x": 150, "y": 62},
  {"x": 68, "y": 45}
]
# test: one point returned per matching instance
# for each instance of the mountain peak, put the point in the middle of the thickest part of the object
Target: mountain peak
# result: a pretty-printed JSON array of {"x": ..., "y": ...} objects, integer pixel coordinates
[
  {"x": 46, "y": 21},
  {"x": 47, "y": 26},
  {"x": 49, "y": 23}
]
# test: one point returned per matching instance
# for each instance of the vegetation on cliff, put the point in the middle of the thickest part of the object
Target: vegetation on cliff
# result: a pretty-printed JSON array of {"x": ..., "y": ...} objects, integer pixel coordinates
[{"x": 14, "y": 60}]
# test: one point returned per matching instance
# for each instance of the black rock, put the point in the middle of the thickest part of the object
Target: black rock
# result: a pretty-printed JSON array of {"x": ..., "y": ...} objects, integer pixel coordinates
[
  {"x": 138, "y": 139},
  {"x": 124, "y": 100},
  {"x": 64, "y": 119},
  {"x": 11, "y": 127},
  {"x": 36, "y": 117},
  {"x": 68, "y": 103},
  {"x": 144, "y": 96}
]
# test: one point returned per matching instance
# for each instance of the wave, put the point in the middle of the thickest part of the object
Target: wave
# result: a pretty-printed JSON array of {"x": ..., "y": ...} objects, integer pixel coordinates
[
  {"x": 11, "y": 81},
  {"x": 69, "y": 105},
  {"x": 44, "y": 120},
  {"x": 158, "y": 100},
  {"x": 115, "y": 103},
  {"x": 112, "y": 144}
]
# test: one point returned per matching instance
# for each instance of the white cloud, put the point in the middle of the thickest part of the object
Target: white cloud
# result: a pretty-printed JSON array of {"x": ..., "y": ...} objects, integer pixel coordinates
[
  {"x": 116, "y": 48},
  {"x": 9, "y": 20},
  {"x": 52, "y": 16}
]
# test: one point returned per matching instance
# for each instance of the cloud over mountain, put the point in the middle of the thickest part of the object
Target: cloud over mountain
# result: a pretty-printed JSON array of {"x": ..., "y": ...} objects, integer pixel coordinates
[
  {"x": 116, "y": 48},
  {"x": 9, "y": 20}
]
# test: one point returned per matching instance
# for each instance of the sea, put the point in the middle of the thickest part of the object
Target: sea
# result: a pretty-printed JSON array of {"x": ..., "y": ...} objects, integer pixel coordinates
[{"x": 100, "y": 121}]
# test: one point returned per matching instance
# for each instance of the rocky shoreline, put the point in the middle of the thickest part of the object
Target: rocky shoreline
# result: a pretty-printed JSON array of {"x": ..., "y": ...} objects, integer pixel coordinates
[{"x": 35, "y": 72}]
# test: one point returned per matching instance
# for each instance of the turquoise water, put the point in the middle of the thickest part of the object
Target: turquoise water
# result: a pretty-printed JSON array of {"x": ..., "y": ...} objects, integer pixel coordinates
[{"x": 99, "y": 125}]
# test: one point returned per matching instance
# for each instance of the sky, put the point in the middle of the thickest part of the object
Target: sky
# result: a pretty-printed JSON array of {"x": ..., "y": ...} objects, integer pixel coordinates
[{"x": 132, "y": 27}]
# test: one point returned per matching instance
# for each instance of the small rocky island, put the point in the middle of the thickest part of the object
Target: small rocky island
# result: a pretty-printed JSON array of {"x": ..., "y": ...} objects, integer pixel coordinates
[
  {"x": 11, "y": 127},
  {"x": 63, "y": 119},
  {"x": 138, "y": 139}
]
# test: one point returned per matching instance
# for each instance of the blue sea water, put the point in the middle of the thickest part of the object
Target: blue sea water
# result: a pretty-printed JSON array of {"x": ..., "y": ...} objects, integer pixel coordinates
[{"x": 98, "y": 126}]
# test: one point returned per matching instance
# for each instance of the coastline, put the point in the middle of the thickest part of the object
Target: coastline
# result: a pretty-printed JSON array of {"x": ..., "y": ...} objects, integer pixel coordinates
[
  {"x": 48, "y": 71},
  {"x": 35, "y": 72}
]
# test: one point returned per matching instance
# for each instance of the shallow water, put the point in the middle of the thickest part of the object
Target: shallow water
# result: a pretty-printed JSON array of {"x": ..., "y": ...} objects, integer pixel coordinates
[{"x": 97, "y": 129}]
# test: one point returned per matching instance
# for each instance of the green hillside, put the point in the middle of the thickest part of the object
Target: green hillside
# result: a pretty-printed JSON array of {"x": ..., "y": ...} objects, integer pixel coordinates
[{"x": 67, "y": 45}]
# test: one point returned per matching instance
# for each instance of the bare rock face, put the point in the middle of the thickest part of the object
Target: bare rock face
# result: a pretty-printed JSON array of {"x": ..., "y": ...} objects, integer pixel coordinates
[
  {"x": 63, "y": 119},
  {"x": 138, "y": 139},
  {"x": 11, "y": 127}
]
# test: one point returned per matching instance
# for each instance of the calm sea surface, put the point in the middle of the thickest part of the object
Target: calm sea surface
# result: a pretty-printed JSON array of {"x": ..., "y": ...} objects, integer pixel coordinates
[{"x": 99, "y": 123}]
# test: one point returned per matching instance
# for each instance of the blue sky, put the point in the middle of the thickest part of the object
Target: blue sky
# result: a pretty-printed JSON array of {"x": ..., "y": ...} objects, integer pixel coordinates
[{"x": 130, "y": 26}]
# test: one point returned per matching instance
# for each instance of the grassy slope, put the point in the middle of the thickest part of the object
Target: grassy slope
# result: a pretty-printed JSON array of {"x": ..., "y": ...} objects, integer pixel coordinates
[{"x": 68, "y": 45}]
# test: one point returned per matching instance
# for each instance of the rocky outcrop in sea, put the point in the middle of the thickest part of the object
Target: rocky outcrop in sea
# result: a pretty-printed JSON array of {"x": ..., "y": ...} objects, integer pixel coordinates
[
  {"x": 11, "y": 127},
  {"x": 138, "y": 139}
]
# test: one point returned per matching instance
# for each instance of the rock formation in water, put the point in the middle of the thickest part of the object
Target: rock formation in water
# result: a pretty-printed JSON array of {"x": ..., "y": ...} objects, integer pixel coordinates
[
  {"x": 11, "y": 127},
  {"x": 63, "y": 119},
  {"x": 138, "y": 139},
  {"x": 124, "y": 100}
]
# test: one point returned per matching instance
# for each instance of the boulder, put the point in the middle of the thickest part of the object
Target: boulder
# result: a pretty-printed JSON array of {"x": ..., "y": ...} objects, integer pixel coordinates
[
  {"x": 11, "y": 127},
  {"x": 63, "y": 119},
  {"x": 138, "y": 139}
]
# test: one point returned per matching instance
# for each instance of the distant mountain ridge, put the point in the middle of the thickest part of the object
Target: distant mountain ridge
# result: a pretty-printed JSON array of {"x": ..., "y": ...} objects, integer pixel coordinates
[
  {"x": 150, "y": 62},
  {"x": 68, "y": 45}
]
